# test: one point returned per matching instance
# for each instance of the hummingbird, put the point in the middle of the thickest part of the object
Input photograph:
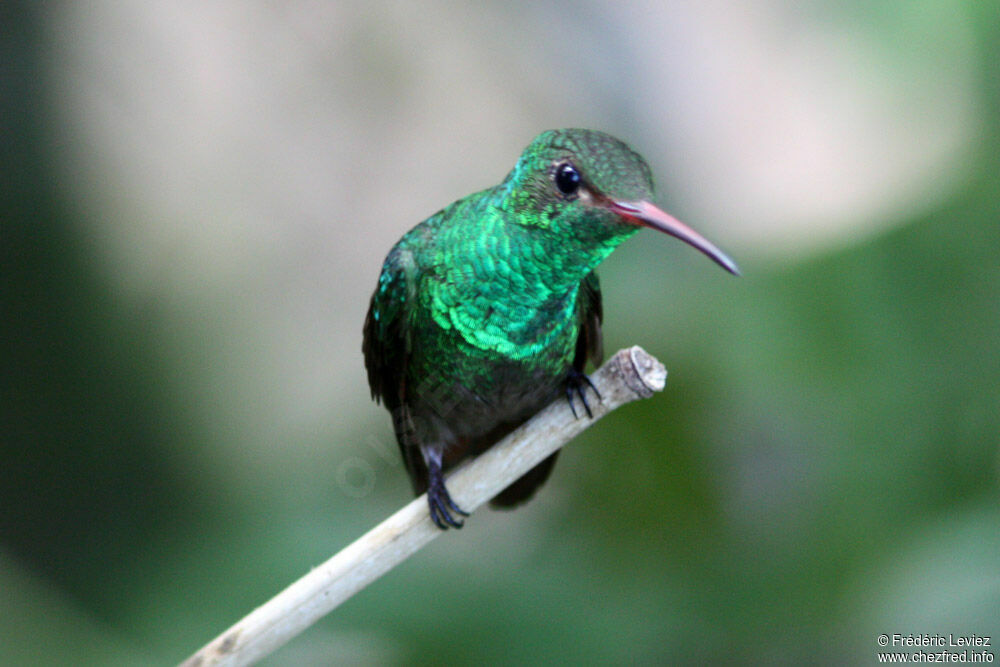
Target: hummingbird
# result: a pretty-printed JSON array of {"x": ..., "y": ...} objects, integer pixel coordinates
[{"x": 490, "y": 309}]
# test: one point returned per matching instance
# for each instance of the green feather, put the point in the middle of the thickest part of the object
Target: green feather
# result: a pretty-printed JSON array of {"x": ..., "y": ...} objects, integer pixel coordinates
[{"x": 485, "y": 309}]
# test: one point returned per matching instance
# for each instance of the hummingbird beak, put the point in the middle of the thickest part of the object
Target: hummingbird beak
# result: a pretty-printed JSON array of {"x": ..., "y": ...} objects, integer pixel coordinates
[{"x": 643, "y": 213}]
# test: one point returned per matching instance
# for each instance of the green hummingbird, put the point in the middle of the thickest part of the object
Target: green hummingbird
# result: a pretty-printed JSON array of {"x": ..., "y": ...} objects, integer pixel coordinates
[{"x": 489, "y": 309}]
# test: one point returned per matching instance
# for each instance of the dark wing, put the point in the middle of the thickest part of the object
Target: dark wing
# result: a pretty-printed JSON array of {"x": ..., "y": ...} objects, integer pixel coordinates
[
  {"x": 386, "y": 342},
  {"x": 590, "y": 313},
  {"x": 386, "y": 346},
  {"x": 589, "y": 347}
]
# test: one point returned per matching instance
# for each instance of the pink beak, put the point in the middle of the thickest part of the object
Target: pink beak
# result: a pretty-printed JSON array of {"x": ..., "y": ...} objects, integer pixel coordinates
[{"x": 647, "y": 215}]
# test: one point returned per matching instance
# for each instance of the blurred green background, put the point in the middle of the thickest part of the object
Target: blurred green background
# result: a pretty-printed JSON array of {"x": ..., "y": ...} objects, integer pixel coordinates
[{"x": 196, "y": 203}]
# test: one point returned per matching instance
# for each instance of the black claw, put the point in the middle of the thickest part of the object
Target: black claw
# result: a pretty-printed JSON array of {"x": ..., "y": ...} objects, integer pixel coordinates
[
  {"x": 439, "y": 500},
  {"x": 441, "y": 508},
  {"x": 577, "y": 383}
]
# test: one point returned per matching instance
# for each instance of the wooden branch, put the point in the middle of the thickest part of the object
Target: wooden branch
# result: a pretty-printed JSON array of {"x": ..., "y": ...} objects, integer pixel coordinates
[{"x": 629, "y": 375}]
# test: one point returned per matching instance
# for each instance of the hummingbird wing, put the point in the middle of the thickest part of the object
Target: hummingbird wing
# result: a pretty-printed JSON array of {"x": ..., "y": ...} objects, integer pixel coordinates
[
  {"x": 589, "y": 347},
  {"x": 386, "y": 345},
  {"x": 386, "y": 341},
  {"x": 590, "y": 314}
]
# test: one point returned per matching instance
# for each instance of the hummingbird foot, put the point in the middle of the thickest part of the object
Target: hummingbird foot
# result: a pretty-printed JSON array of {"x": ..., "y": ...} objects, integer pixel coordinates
[
  {"x": 577, "y": 383},
  {"x": 438, "y": 499}
]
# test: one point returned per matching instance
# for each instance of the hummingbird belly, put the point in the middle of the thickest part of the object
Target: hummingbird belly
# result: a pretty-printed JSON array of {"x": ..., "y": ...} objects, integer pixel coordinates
[{"x": 471, "y": 392}]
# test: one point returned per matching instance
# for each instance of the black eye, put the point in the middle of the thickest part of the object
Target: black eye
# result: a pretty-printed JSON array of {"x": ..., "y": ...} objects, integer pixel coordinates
[{"x": 567, "y": 178}]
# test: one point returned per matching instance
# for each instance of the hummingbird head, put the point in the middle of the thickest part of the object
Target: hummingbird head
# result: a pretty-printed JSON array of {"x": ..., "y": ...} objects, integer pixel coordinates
[{"x": 590, "y": 187}]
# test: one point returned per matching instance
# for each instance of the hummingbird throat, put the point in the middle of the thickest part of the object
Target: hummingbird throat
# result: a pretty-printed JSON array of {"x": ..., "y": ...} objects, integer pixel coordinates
[{"x": 520, "y": 303}]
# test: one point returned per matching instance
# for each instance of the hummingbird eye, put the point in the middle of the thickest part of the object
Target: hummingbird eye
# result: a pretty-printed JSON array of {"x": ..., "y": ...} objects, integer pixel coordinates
[{"x": 567, "y": 178}]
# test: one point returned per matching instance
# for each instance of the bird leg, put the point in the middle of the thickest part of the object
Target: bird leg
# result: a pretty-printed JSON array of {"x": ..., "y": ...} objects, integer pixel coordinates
[
  {"x": 438, "y": 499},
  {"x": 577, "y": 382}
]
